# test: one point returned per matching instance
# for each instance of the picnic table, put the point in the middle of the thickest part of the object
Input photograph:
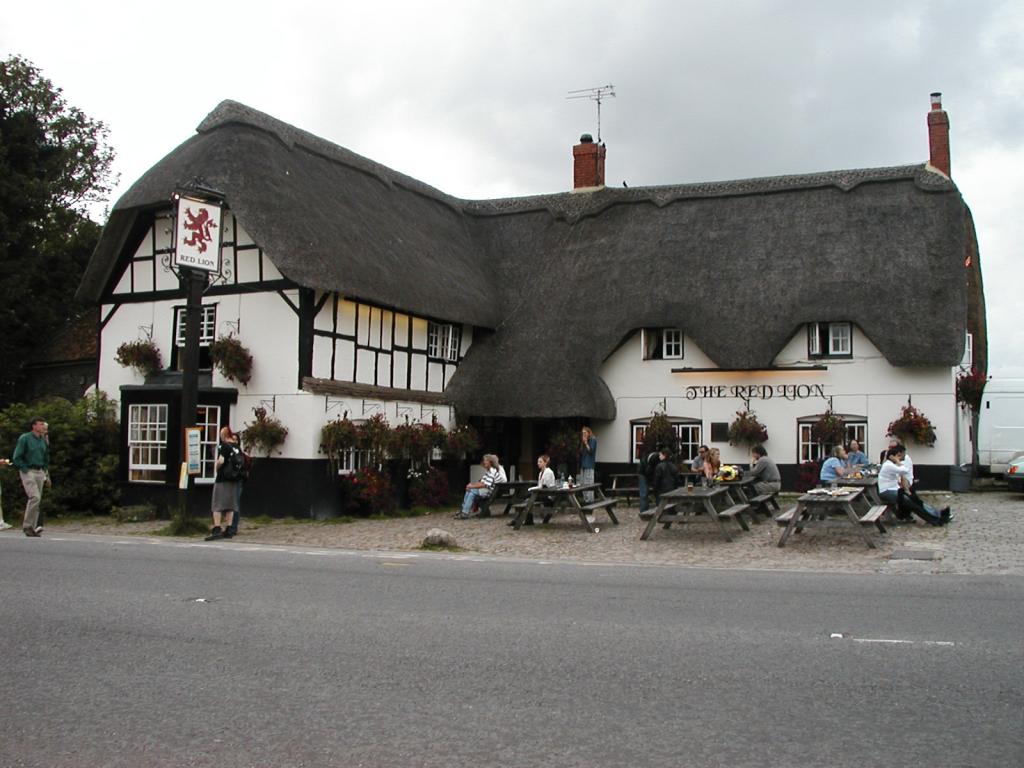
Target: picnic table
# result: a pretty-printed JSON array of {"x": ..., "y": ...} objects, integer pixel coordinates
[
  {"x": 683, "y": 505},
  {"x": 511, "y": 492},
  {"x": 566, "y": 499},
  {"x": 869, "y": 484},
  {"x": 824, "y": 506}
]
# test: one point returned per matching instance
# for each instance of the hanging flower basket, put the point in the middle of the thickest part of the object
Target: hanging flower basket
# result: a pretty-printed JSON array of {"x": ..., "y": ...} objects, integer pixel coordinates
[
  {"x": 830, "y": 429},
  {"x": 462, "y": 439},
  {"x": 232, "y": 359},
  {"x": 142, "y": 354},
  {"x": 265, "y": 435},
  {"x": 337, "y": 437},
  {"x": 913, "y": 426},
  {"x": 659, "y": 432},
  {"x": 747, "y": 430},
  {"x": 970, "y": 387}
]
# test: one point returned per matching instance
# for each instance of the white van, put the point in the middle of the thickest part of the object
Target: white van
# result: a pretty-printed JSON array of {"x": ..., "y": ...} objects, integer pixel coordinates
[{"x": 1000, "y": 424}]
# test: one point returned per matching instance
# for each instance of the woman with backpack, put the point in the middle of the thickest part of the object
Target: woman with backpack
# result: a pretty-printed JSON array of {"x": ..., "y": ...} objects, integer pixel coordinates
[{"x": 230, "y": 466}]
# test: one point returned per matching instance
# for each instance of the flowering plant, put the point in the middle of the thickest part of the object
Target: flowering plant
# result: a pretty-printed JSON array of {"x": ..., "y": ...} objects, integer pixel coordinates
[
  {"x": 829, "y": 429},
  {"x": 369, "y": 492},
  {"x": 142, "y": 354},
  {"x": 461, "y": 439},
  {"x": 428, "y": 488},
  {"x": 415, "y": 441},
  {"x": 659, "y": 432},
  {"x": 746, "y": 429},
  {"x": 339, "y": 436},
  {"x": 232, "y": 359},
  {"x": 912, "y": 425},
  {"x": 970, "y": 386},
  {"x": 376, "y": 436},
  {"x": 564, "y": 446},
  {"x": 265, "y": 435}
]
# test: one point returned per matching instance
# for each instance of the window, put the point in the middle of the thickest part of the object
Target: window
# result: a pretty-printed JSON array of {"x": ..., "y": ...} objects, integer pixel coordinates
[
  {"x": 147, "y": 443},
  {"x": 443, "y": 341},
  {"x": 207, "y": 325},
  {"x": 208, "y": 420},
  {"x": 829, "y": 340},
  {"x": 662, "y": 343},
  {"x": 352, "y": 460},
  {"x": 207, "y": 332},
  {"x": 810, "y": 450},
  {"x": 687, "y": 435},
  {"x": 968, "y": 359}
]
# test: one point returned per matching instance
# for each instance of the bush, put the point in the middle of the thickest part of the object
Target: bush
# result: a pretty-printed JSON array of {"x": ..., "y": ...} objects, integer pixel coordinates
[
  {"x": 84, "y": 453},
  {"x": 369, "y": 492},
  {"x": 807, "y": 475},
  {"x": 429, "y": 488}
]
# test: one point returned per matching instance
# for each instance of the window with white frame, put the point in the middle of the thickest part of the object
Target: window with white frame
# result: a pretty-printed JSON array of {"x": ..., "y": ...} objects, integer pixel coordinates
[
  {"x": 830, "y": 339},
  {"x": 662, "y": 343},
  {"x": 208, "y": 421},
  {"x": 809, "y": 449},
  {"x": 207, "y": 325},
  {"x": 443, "y": 341},
  {"x": 687, "y": 434},
  {"x": 352, "y": 460},
  {"x": 968, "y": 358},
  {"x": 147, "y": 443}
]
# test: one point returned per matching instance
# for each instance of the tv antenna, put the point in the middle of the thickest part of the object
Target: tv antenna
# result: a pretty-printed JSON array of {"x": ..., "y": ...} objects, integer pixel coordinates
[{"x": 594, "y": 94}]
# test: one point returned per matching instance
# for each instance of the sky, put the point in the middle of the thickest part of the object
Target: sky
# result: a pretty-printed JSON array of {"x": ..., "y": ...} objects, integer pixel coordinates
[{"x": 471, "y": 97}]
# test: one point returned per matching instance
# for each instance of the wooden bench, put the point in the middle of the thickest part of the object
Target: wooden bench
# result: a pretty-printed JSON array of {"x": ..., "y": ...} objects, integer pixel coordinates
[
  {"x": 629, "y": 489},
  {"x": 874, "y": 516},
  {"x": 736, "y": 512},
  {"x": 605, "y": 504},
  {"x": 786, "y": 516},
  {"x": 765, "y": 502}
]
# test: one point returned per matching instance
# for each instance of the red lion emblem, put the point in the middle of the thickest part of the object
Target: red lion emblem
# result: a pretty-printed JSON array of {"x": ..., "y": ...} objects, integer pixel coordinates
[{"x": 200, "y": 227}]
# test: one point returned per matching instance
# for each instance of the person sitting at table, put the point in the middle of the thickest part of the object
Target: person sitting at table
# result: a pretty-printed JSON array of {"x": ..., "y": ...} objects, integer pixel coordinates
[
  {"x": 697, "y": 462},
  {"x": 855, "y": 457},
  {"x": 834, "y": 466},
  {"x": 893, "y": 485},
  {"x": 666, "y": 474},
  {"x": 545, "y": 479},
  {"x": 483, "y": 487},
  {"x": 712, "y": 463},
  {"x": 766, "y": 474}
]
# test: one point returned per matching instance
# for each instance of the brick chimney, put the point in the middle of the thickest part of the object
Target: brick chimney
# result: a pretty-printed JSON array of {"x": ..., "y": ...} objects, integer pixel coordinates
[
  {"x": 938, "y": 135},
  {"x": 588, "y": 163}
]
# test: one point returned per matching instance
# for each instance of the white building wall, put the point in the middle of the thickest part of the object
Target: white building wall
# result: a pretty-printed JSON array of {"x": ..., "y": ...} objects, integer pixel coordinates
[{"x": 866, "y": 385}]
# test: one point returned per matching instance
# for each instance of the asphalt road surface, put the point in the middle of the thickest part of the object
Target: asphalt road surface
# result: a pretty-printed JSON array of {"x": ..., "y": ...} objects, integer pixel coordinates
[{"x": 127, "y": 652}]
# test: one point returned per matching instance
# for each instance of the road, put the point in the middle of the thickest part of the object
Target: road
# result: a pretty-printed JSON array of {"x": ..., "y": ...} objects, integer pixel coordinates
[{"x": 133, "y": 652}]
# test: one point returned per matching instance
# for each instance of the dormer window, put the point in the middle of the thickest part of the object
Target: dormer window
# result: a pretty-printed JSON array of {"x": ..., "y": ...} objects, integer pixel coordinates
[
  {"x": 663, "y": 344},
  {"x": 443, "y": 341},
  {"x": 830, "y": 340}
]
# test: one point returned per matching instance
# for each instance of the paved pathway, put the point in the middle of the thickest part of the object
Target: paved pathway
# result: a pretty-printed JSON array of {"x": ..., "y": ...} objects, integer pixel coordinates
[{"x": 987, "y": 537}]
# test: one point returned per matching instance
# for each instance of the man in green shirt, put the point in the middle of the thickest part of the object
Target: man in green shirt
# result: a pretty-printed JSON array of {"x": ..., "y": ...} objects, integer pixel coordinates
[{"x": 32, "y": 458}]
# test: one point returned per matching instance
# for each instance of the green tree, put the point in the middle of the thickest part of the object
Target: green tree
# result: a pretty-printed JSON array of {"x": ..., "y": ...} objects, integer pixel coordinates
[{"x": 54, "y": 163}]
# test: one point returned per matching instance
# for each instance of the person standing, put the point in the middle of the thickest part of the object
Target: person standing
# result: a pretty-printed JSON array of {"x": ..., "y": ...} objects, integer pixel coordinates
[
  {"x": 666, "y": 474},
  {"x": 32, "y": 458},
  {"x": 645, "y": 477},
  {"x": 588, "y": 460},
  {"x": 3, "y": 524},
  {"x": 225, "y": 486}
]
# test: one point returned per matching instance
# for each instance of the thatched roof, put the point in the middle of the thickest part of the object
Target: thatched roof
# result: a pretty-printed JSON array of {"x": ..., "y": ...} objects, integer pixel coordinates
[
  {"x": 328, "y": 218},
  {"x": 557, "y": 282}
]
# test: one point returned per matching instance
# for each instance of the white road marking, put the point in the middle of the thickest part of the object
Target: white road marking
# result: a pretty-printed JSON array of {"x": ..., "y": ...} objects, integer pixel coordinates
[{"x": 891, "y": 641}]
